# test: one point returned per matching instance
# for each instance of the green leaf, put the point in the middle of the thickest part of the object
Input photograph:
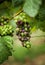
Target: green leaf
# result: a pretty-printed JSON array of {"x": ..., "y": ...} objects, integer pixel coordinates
[
  {"x": 7, "y": 9},
  {"x": 8, "y": 41},
  {"x": 17, "y": 2},
  {"x": 4, "y": 52},
  {"x": 41, "y": 14},
  {"x": 31, "y": 7}
]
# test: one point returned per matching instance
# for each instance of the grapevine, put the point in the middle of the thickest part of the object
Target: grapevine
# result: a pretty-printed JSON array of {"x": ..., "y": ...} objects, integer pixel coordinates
[{"x": 19, "y": 19}]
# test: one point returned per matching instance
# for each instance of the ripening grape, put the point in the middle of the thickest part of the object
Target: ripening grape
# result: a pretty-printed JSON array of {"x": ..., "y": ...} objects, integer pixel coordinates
[{"x": 23, "y": 29}]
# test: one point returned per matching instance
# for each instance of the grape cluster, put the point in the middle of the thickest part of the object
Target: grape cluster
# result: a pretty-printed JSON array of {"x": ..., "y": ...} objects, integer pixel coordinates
[
  {"x": 6, "y": 30},
  {"x": 23, "y": 32},
  {"x": 22, "y": 16},
  {"x": 4, "y": 20},
  {"x": 23, "y": 29},
  {"x": 5, "y": 27}
]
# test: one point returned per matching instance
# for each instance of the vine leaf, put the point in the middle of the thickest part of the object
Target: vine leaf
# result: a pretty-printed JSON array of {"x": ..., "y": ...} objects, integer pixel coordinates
[
  {"x": 17, "y": 2},
  {"x": 31, "y": 7}
]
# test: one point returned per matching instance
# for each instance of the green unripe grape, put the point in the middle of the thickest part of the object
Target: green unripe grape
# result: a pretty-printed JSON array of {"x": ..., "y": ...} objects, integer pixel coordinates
[
  {"x": 3, "y": 32},
  {"x": 17, "y": 29},
  {"x": 2, "y": 17},
  {"x": 2, "y": 20},
  {"x": 10, "y": 31},
  {"x": 10, "y": 27},
  {"x": 26, "y": 29},
  {"x": 5, "y": 22},
  {"x": 27, "y": 42},
  {"x": 24, "y": 20},
  {"x": 24, "y": 44},
  {"x": 2, "y": 29},
  {"x": 20, "y": 18},
  {"x": 15, "y": 20},
  {"x": 17, "y": 17},
  {"x": 28, "y": 46},
  {"x": 25, "y": 25},
  {"x": 6, "y": 29},
  {"x": 23, "y": 16},
  {"x": 7, "y": 26},
  {"x": 22, "y": 34}
]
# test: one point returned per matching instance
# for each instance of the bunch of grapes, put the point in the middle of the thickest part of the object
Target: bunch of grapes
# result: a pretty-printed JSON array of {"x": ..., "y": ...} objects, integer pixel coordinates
[
  {"x": 4, "y": 20},
  {"x": 6, "y": 30},
  {"x": 23, "y": 31},
  {"x": 5, "y": 27}
]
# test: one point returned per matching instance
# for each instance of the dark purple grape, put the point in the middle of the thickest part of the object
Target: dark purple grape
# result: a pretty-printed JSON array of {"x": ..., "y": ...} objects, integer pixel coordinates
[
  {"x": 22, "y": 30},
  {"x": 19, "y": 22}
]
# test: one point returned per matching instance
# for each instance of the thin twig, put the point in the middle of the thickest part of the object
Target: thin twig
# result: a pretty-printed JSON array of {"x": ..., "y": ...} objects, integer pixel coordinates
[{"x": 16, "y": 14}]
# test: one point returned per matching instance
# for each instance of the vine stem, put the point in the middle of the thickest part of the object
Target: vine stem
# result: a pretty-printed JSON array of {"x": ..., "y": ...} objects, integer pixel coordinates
[{"x": 16, "y": 14}]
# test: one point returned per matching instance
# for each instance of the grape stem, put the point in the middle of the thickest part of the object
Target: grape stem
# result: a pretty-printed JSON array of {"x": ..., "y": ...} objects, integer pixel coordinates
[{"x": 16, "y": 14}]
